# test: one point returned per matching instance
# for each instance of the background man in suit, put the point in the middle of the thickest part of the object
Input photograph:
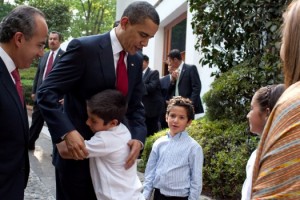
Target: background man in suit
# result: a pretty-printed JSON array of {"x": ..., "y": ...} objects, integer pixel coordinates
[
  {"x": 23, "y": 33},
  {"x": 89, "y": 66},
  {"x": 44, "y": 67},
  {"x": 164, "y": 85},
  {"x": 152, "y": 99},
  {"x": 185, "y": 80}
]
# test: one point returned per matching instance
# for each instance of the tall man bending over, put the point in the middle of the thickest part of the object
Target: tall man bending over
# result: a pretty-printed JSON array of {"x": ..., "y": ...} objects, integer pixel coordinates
[{"x": 88, "y": 67}]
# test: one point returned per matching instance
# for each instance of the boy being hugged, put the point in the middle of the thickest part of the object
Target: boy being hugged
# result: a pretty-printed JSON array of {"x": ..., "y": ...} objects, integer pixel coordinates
[
  {"x": 108, "y": 148},
  {"x": 174, "y": 168}
]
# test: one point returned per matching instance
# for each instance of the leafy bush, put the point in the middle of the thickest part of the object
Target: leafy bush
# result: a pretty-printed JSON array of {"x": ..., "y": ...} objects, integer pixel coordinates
[
  {"x": 226, "y": 148},
  {"x": 230, "y": 32},
  {"x": 231, "y": 93},
  {"x": 27, "y": 77}
]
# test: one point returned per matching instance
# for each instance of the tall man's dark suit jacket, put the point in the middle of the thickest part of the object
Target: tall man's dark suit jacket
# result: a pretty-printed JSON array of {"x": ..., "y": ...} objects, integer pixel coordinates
[
  {"x": 14, "y": 133},
  {"x": 85, "y": 69},
  {"x": 189, "y": 86},
  {"x": 37, "y": 118},
  {"x": 164, "y": 84},
  {"x": 152, "y": 100}
]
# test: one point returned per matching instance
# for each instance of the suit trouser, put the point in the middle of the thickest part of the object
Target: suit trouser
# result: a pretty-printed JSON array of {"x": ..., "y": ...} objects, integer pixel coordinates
[
  {"x": 37, "y": 124},
  {"x": 152, "y": 124},
  {"x": 73, "y": 181}
]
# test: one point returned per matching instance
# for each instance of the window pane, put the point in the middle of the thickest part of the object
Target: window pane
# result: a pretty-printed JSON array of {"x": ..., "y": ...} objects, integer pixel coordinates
[{"x": 178, "y": 36}]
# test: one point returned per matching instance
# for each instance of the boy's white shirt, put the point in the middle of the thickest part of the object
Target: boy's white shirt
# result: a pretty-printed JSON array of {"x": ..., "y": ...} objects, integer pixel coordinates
[{"x": 108, "y": 151}]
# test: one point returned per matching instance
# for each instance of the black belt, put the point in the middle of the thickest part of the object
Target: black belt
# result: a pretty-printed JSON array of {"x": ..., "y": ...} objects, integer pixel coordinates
[{"x": 160, "y": 196}]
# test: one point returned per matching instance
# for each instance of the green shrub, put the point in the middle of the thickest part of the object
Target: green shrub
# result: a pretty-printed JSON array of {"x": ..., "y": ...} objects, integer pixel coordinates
[
  {"x": 226, "y": 148},
  {"x": 231, "y": 93},
  {"x": 27, "y": 77}
]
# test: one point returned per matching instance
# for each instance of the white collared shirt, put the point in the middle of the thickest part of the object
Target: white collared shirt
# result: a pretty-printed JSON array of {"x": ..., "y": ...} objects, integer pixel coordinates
[
  {"x": 54, "y": 56},
  {"x": 108, "y": 151},
  {"x": 9, "y": 63},
  {"x": 116, "y": 47}
]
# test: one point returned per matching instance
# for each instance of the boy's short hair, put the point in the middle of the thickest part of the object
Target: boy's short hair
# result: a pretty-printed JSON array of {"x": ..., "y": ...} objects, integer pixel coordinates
[
  {"x": 108, "y": 105},
  {"x": 182, "y": 102}
]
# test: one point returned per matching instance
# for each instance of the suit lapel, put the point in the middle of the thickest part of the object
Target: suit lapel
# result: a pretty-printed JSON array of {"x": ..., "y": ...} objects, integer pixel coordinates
[
  {"x": 57, "y": 57},
  {"x": 131, "y": 68},
  {"x": 107, "y": 60},
  {"x": 146, "y": 75},
  {"x": 44, "y": 62},
  {"x": 182, "y": 72},
  {"x": 11, "y": 90}
]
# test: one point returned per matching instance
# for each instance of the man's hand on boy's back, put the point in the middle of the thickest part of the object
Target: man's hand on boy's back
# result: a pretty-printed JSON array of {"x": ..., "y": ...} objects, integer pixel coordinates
[{"x": 135, "y": 148}]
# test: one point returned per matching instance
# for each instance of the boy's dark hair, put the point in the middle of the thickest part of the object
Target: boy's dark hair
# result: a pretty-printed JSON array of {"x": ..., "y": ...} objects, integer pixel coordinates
[
  {"x": 108, "y": 105},
  {"x": 145, "y": 58},
  {"x": 175, "y": 53},
  {"x": 182, "y": 102}
]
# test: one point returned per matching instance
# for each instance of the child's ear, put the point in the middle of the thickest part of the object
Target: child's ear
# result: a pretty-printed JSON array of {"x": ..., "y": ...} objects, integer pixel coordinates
[{"x": 113, "y": 122}]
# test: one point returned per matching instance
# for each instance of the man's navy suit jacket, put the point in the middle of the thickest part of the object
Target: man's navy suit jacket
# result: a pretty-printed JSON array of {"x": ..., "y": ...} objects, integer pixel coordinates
[
  {"x": 14, "y": 135},
  {"x": 153, "y": 100}
]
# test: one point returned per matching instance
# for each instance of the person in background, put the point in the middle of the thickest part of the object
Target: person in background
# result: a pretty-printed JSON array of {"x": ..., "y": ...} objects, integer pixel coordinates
[
  {"x": 276, "y": 172},
  {"x": 262, "y": 104},
  {"x": 45, "y": 65},
  {"x": 108, "y": 148},
  {"x": 152, "y": 99},
  {"x": 185, "y": 80},
  {"x": 165, "y": 84},
  {"x": 174, "y": 168},
  {"x": 23, "y": 33},
  {"x": 90, "y": 65}
]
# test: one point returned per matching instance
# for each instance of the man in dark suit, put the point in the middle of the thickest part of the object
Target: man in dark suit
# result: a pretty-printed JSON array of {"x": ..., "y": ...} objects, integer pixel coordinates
[
  {"x": 23, "y": 33},
  {"x": 47, "y": 61},
  {"x": 164, "y": 85},
  {"x": 152, "y": 99},
  {"x": 185, "y": 80},
  {"x": 88, "y": 67}
]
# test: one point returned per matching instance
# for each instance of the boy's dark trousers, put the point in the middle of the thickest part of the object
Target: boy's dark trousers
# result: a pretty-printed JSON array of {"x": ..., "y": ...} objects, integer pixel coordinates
[{"x": 159, "y": 196}]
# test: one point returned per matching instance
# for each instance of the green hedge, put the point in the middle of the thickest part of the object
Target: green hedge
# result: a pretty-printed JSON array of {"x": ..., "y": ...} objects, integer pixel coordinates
[
  {"x": 226, "y": 147},
  {"x": 27, "y": 77}
]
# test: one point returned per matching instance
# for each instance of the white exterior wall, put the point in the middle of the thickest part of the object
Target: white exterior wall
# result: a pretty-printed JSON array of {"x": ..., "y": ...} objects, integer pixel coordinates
[{"x": 169, "y": 10}]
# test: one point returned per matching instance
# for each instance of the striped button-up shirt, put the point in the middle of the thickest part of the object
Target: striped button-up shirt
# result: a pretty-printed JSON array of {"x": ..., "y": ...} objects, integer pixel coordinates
[{"x": 175, "y": 167}]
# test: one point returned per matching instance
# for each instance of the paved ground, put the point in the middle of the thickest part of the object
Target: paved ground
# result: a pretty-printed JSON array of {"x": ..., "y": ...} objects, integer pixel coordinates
[{"x": 41, "y": 185}]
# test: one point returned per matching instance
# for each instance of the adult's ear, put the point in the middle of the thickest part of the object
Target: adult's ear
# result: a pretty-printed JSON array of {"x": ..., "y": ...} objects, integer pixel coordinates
[
  {"x": 124, "y": 21},
  {"x": 18, "y": 38}
]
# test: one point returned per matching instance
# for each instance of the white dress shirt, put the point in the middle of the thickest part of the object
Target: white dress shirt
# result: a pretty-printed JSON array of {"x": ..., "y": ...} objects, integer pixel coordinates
[{"x": 108, "y": 151}]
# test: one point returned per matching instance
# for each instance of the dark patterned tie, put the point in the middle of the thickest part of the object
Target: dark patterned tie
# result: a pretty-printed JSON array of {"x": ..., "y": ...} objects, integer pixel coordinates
[
  {"x": 17, "y": 78},
  {"x": 49, "y": 65},
  {"x": 122, "y": 78}
]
